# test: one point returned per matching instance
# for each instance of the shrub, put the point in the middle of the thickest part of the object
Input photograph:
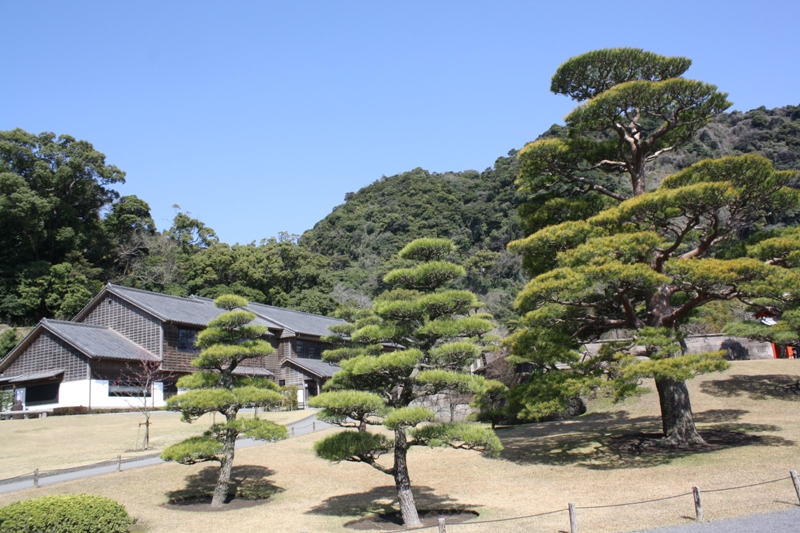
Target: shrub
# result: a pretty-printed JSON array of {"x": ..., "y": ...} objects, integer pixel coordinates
[
  {"x": 79, "y": 513},
  {"x": 289, "y": 393},
  {"x": 64, "y": 411}
]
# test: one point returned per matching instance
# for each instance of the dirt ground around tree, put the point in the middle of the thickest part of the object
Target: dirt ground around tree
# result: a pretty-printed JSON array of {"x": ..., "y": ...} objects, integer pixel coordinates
[{"x": 591, "y": 460}]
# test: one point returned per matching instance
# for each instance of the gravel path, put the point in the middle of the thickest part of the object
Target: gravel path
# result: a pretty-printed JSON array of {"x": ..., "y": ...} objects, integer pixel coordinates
[{"x": 778, "y": 522}]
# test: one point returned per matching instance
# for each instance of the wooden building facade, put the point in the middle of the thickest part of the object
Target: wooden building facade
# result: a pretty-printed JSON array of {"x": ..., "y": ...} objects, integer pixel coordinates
[{"x": 89, "y": 360}]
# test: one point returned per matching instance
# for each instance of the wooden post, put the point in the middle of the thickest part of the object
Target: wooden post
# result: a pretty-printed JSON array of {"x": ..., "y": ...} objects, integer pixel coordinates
[
  {"x": 796, "y": 482},
  {"x": 573, "y": 519},
  {"x": 36, "y": 479},
  {"x": 119, "y": 463},
  {"x": 698, "y": 505},
  {"x": 442, "y": 525}
]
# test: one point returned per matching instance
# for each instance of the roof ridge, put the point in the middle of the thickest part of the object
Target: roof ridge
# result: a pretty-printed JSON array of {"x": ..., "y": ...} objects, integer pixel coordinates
[
  {"x": 71, "y": 323},
  {"x": 154, "y": 293},
  {"x": 295, "y": 311},
  {"x": 281, "y": 324}
]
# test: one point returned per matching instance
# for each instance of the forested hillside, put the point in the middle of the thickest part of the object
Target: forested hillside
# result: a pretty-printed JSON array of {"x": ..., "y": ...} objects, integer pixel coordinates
[
  {"x": 479, "y": 211},
  {"x": 66, "y": 232}
]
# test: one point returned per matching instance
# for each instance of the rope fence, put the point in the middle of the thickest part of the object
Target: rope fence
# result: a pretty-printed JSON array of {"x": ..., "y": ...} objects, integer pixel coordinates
[
  {"x": 38, "y": 473},
  {"x": 572, "y": 509}
]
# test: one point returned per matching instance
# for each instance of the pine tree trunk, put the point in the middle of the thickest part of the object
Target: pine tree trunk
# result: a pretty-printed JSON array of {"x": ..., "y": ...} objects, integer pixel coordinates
[
  {"x": 402, "y": 482},
  {"x": 226, "y": 464},
  {"x": 676, "y": 413}
]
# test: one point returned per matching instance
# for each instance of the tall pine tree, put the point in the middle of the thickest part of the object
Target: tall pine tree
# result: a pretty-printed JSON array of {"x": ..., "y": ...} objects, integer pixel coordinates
[{"x": 437, "y": 333}]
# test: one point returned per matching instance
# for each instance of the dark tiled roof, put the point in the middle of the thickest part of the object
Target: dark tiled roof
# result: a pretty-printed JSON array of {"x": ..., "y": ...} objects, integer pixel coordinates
[
  {"x": 295, "y": 321},
  {"x": 97, "y": 341},
  {"x": 315, "y": 366},
  {"x": 168, "y": 308},
  {"x": 32, "y": 377},
  {"x": 251, "y": 371}
]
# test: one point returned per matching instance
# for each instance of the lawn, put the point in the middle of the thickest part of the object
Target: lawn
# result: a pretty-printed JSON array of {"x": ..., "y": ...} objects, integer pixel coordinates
[
  {"x": 543, "y": 467},
  {"x": 67, "y": 441}
]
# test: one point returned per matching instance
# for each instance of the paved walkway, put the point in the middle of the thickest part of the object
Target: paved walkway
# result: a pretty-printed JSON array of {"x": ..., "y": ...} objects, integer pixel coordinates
[
  {"x": 777, "y": 522},
  {"x": 296, "y": 429}
]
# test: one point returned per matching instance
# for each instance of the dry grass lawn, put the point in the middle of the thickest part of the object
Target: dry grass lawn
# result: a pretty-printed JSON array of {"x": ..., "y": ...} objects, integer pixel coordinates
[
  {"x": 67, "y": 441},
  {"x": 543, "y": 467}
]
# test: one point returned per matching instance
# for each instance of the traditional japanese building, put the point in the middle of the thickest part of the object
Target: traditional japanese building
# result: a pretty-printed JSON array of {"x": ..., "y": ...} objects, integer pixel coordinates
[{"x": 92, "y": 360}]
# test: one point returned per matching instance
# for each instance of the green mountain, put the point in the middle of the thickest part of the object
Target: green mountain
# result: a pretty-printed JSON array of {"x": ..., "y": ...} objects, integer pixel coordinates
[{"x": 479, "y": 210}]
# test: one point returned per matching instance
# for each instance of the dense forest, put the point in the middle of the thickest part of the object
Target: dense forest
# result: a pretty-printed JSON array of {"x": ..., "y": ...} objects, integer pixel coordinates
[{"x": 67, "y": 232}]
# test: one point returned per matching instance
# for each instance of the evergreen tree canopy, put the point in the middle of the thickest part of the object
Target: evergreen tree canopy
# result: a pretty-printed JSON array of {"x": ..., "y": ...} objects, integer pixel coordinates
[
  {"x": 635, "y": 108},
  {"x": 435, "y": 333},
  {"x": 53, "y": 247},
  {"x": 644, "y": 266},
  {"x": 646, "y": 260}
]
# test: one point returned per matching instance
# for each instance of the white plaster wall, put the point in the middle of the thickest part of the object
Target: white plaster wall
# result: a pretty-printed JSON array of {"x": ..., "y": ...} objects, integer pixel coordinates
[
  {"x": 101, "y": 399},
  {"x": 76, "y": 393}
]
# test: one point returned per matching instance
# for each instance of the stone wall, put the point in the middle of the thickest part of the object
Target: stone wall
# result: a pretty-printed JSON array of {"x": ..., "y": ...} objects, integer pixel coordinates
[{"x": 738, "y": 348}]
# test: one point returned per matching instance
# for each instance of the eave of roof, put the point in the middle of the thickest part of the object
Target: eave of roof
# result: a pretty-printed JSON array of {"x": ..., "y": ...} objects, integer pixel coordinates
[
  {"x": 47, "y": 374},
  {"x": 313, "y": 366},
  {"x": 251, "y": 371}
]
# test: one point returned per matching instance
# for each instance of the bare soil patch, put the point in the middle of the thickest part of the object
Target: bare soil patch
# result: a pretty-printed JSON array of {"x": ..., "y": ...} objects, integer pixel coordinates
[
  {"x": 202, "y": 504},
  {"x": 394, "y": 521},
  {"x": 652, "y": 443}
]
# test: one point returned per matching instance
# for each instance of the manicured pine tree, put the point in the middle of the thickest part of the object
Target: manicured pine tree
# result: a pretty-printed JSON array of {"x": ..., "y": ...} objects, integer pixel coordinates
[
  {"x": 229, "y": 340},
  {"x": 436, "y": 334},
  {"x": 643, "y": 267}
]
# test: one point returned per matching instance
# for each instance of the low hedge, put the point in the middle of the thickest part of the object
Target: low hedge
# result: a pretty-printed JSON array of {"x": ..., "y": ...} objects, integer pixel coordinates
[{"x": 79, "y": 513}]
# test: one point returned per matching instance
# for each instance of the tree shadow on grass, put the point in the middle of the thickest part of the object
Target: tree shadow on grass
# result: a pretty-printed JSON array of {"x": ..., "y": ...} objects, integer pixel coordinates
[
  {"x": 248, "y": 482},
  {"x": 613, "y": 441},
  {"x": 383, "y": 500},
  {"x": 766, "y": 387}
]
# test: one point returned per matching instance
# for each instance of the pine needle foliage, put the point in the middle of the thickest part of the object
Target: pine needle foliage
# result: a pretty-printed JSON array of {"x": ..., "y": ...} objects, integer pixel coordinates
[
  {"x": 229, "y": 341},
  {"x": 432, "y": 334},
  {"x": 647, "y": 257}
]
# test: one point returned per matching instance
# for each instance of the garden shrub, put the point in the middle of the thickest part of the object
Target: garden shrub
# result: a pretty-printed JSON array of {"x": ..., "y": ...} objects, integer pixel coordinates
[
  {"x": 77, "y": 513},
  {"x": 66, "y": 411}
]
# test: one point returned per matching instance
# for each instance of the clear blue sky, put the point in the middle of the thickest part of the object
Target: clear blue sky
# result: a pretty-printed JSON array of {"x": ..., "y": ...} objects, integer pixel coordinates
[{"x": 258, "y": 117}]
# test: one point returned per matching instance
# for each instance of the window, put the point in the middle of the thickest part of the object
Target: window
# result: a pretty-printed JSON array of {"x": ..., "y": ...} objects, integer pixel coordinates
[
  {"x": 308, "y": 350},
  {"x": 186, "y": 340},
  {"x": 170, "y": 389},
  {"x": 282, "y": 382},
  {"x": 41, "y": 394},
  {"x": 127, "y": 389}
]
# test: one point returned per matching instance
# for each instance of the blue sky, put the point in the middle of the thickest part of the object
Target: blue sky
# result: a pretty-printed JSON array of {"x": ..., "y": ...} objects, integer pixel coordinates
[{"x": 258, "y": 117}]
